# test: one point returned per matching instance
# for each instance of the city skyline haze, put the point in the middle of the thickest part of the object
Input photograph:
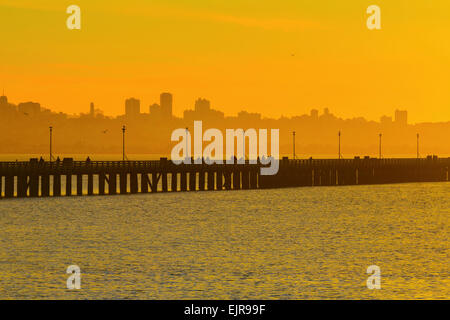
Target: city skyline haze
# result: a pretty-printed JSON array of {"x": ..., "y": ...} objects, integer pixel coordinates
[{"x": 279, "y": 59}]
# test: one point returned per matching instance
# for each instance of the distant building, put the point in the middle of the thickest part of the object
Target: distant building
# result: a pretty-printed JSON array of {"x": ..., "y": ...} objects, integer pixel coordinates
[
  {"x": 29, "y": 108},
  {"x": 247, "y": 116},
  {"x": 165, "y": 101},
  {"x": 132, "y": 108},
  {"x": 315, "y": 114},
  {"x": 155, "y": 111},
  {"x": 92, "y": 110},
  {"x": 3, "y": 100},
  {"x": 385, "y": 120},
  {"x": 6, "y": 109},
  {"x": 202, "y": 111},
  {"x": 327, "y": 115},
  {"x": 202, "y": 106},
  {"x": 401, "y": 117}
]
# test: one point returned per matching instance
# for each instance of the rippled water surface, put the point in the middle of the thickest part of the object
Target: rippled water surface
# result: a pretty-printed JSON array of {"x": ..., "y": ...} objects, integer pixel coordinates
[{"x": 300, "y": 243}]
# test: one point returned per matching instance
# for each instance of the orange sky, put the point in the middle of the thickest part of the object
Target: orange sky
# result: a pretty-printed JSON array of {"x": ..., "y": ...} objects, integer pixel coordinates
[{"x": 274, "y": 57}]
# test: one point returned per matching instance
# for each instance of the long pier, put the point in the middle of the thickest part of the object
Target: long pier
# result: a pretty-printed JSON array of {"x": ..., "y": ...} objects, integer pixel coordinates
[{"x": 68, "y": 177}]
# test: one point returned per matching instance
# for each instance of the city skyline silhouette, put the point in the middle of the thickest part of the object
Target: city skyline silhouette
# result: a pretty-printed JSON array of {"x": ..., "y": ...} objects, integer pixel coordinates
[
  {"x": 149, "y": 129},
  {"x": 279, "y": 60}
]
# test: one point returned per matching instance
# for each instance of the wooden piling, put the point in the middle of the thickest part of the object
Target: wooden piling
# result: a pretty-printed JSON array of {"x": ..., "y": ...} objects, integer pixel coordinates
[
  {"x": 154, "y": 184},
  {"x": 57, "y": 185},
  {"x": 112, "y": 184},
  {"x": 101, "y": 183},
  {"x": 68, "y": 184},
  {"x": 164, "y": 181},
  {"x": 236, "y": 179},
  {"x": 133, "y": 183},
  {"x": 144, "y": 183},
  {"x": 123, "y": 180},
  {"x": 183, "y": 181},
  {"x": 174, "y": 182},
  {"x": 219, "y": 180},
  {"x": 79, "y": 184},
  {"x": 192, "y": 180},
  {"x": 90, "y": 184},
  {"x": 201, "y": 180},
  {"x": 9, "y": 186},
  {"x": 45, "y": 185},
  {"x": 22, "y": 185},
  {"x": 210, "y": 179}
]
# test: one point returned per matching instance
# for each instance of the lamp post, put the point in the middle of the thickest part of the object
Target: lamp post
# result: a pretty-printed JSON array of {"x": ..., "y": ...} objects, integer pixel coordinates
[
  {"x": 418, "y": 155},
  {"x": 243, "y": 147},
  {"x": 293, "y": 144},
  {"x": 187, "y": 153},
  {"x": 380, "y": 144},
  {"x": 339, "y": 134},
  {"x": 123, "y": 142},
  {"x": 51, "y": 133}
]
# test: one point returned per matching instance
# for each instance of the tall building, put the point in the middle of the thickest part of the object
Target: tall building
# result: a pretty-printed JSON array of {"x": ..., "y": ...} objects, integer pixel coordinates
[
  {"x": 202, "y": 111},
  {"x": 385, "y": 120},
  {"x": 155, "y": 111},
  {"x": 92, "y": 110},
  {"x": 6, "y": 109},
  {"x": 202, "y": 106},
  {"x": 132, "y": 107},
  {"x": 315, "y": 114},
  {"x": 3, "y": 101},
  {"x": 401, "y": 117},
  {"x": 29, "y": 108},
  {"x": 165, "y": 101}
]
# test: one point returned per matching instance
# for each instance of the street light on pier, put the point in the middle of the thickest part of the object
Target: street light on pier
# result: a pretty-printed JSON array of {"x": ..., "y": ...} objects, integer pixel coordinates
[
  {"x": 187, "y": 132},
  {"x": 293, "y": 144},
  {"x": 123, "y": 142},
  {"x": 380, "y": 144},
  {"x": 339, "y": 134},
  {"x": 418, "y": 155},
  {"x": 51, "y": 133}
]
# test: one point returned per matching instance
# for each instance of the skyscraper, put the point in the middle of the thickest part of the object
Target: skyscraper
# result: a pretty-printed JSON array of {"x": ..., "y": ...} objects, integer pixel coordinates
[
  {"x": 385, "y": 120},
  {"x": 202, "y": 106},
  {"x": 29, "y": 108},
  {"x": 155, "y": 111},
  {"x": 401, "y": 117},
  {"x": 132, "y": 107},
  {"x": 165, "y": 101},
  {"x": 92, "y": 110},
  {"x": 3, "y": 100},
  {"x": 6, "y": 109}
]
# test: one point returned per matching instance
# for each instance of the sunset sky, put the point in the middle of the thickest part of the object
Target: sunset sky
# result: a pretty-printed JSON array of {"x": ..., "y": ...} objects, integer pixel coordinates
[{"x": 273, "y": 57}]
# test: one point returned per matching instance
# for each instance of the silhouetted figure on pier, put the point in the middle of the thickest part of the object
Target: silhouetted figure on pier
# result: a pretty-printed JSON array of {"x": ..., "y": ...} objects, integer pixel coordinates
[{"x": 88, "y": 160}]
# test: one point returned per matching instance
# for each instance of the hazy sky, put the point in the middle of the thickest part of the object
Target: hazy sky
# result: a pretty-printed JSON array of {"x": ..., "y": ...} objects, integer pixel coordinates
[{"x": 275, "y": 57}]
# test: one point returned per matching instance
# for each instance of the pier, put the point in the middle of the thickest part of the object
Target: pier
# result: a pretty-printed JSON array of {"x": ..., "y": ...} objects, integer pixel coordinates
[{"x": 70, "y": 178}]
